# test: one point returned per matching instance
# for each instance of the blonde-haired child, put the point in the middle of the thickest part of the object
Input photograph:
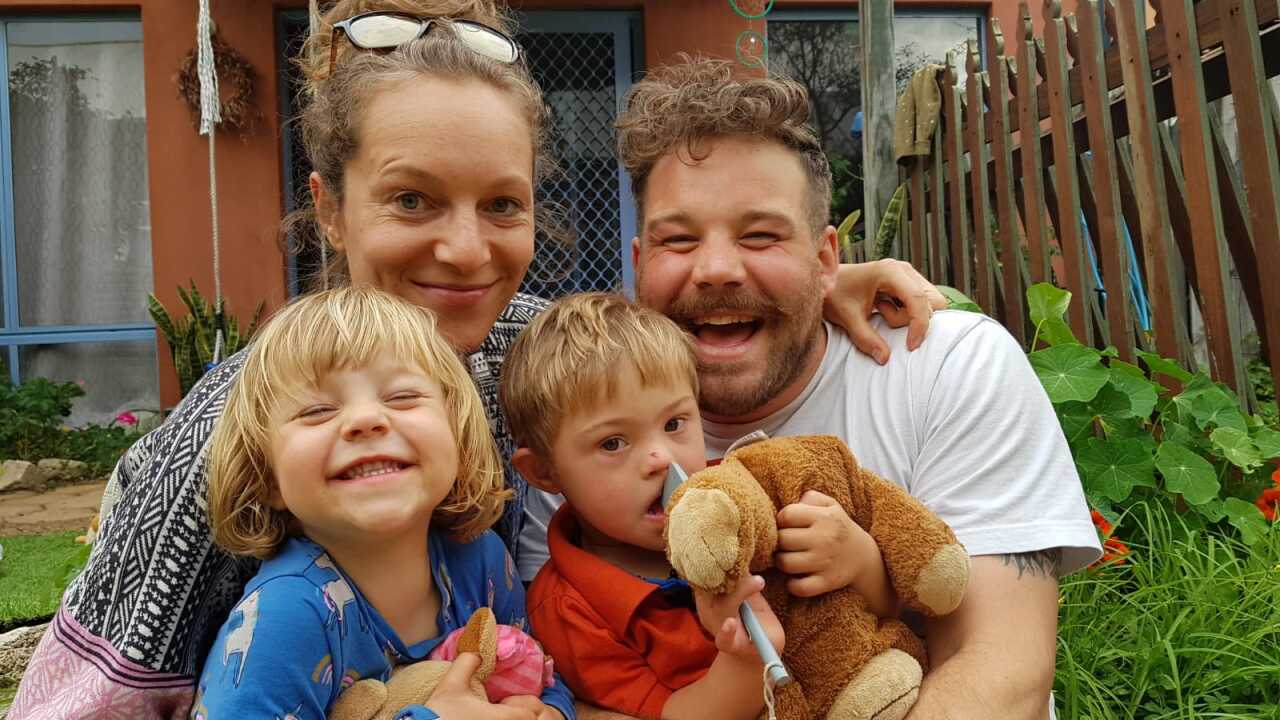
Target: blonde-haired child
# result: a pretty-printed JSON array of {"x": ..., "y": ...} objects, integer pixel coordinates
[{"x": 354, "y": 457}]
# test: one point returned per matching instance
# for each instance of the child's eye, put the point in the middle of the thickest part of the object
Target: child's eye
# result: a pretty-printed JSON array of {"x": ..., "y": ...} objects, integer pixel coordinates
[
  {"x": 612, "y": 444},
  {"x": 674, "y": 424},
  {"x": 315, "y": 411},
  {"x": 403, "y": 397}
]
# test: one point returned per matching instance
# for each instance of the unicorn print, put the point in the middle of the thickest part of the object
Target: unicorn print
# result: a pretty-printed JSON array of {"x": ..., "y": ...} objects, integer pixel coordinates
[
  {"x": 239, "y": 640},
  {"x": 337, "y": 594}
]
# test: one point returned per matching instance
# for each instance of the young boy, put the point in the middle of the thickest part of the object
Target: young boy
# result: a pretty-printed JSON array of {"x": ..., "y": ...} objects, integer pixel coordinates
[{"x": 601, "y": 394}]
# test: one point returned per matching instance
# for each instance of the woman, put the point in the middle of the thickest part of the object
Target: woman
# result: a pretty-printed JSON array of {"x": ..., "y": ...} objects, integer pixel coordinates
[{"x": 427, "y": 141}]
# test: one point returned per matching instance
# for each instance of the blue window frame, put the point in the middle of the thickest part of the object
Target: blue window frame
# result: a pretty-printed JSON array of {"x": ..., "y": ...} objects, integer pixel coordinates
[{"x": 75, "y": 246}]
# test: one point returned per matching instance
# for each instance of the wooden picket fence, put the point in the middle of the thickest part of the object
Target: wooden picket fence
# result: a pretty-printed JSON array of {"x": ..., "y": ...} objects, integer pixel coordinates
[{"x": 1098, "y": 89}]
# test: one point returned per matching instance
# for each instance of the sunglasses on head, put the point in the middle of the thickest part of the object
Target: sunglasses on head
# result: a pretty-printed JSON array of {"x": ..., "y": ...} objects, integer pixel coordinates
[{"x": 389, "y": 30}]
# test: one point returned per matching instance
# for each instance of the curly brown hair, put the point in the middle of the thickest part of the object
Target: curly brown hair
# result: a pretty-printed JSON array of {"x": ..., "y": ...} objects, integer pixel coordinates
[
  {"x": 676, "y": 107},
  {"x": 334, "y": 104}
]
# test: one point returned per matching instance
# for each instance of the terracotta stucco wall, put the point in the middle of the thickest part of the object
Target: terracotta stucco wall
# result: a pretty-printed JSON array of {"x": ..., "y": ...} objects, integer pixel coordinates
[{"x": 249, "y": 194}]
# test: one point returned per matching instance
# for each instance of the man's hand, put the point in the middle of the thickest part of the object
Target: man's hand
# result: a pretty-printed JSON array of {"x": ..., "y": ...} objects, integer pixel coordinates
[
  {"x": 540, "y": 710},
  {"x": 826, "y": 550},
  {"x": 719, "y": 615},
  {"x": 891, "y": 287}
]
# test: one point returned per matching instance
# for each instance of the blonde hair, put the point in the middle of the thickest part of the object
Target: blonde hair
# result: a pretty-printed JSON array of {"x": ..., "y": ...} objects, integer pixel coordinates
[
  {"x": 334, "y": 104},
  {"x": 677, "y": 107},
  {"x": 569, "y": 359},
  {"x": 317, "y": 334}
]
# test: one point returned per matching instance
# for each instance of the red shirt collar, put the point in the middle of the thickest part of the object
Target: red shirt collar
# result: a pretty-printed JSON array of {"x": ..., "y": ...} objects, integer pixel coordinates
[{"x": 611, "y": 591}]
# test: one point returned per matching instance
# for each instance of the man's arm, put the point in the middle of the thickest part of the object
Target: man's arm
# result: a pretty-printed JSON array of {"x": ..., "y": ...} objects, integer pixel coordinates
[{"x": 994, "y": 656}]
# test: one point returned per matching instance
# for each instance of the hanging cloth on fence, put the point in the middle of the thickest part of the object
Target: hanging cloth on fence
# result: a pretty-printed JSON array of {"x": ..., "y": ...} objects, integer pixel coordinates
[{"x": 917, "y": 115}]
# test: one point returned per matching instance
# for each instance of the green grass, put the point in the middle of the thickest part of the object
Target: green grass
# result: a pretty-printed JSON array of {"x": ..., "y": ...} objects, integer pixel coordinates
[
  {"x": 34, "y": 572},
  {"x": 1190, "y": 628}
]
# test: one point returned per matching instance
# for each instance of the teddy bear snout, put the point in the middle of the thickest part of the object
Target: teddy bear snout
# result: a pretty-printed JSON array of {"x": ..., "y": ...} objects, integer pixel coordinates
[{"x": 701, "y": 516}]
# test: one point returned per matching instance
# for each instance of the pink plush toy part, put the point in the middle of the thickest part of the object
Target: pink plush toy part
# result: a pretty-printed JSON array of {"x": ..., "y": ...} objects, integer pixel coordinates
[{"x": 521, "y": 667}]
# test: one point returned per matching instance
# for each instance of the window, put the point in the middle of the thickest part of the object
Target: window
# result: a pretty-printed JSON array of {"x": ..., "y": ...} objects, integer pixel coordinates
[
  {"x": 75, "y": 237},
  {"x": 820, "y": 49}
]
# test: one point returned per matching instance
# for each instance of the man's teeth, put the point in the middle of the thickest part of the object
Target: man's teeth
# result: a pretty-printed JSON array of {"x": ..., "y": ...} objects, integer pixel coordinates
[
  {"x": 725, "y": 319},
  {"x": 381, "y": 467}
]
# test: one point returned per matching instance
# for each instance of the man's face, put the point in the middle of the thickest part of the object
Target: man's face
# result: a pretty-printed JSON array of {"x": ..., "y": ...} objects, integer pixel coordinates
[{"x": 727, "y": 251}]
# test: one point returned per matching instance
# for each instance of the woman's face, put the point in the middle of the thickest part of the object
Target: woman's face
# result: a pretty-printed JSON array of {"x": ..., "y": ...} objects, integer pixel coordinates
[{"x": 438, "y": 201}]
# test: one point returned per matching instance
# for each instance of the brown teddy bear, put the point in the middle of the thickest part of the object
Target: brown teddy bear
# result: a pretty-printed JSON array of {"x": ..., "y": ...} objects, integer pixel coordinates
[
  {"x": 846, "y": 662},
  {"x": 413, "y": 684}
]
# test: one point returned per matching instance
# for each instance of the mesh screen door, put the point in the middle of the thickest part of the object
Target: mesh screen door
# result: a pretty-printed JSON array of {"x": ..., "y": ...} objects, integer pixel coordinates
[{"x": 583, "y": 61}]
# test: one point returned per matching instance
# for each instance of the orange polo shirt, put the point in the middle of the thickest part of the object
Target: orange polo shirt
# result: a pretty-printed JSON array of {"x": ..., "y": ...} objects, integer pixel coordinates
[{"x": 620, "y": 642}]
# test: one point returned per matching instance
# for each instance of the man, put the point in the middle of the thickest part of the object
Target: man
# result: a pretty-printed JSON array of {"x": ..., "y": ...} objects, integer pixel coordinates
[{"x": 734, "y": 194}]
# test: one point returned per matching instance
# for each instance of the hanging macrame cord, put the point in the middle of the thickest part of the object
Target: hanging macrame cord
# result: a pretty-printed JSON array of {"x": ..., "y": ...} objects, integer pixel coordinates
[{"x": 210, "y": 116}]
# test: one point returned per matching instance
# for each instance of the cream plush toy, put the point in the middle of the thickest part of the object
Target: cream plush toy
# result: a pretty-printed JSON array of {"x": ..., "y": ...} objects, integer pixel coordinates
[{"x": 846, "y": 662}]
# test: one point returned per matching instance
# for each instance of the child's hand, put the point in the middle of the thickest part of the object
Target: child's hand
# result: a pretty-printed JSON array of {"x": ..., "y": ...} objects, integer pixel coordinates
[
  {"x": 453, "y": 698},
  {"x": 540, "y": 710},
  {"x": 719, "y": 615},
  {"x": 823, "y": 547}
]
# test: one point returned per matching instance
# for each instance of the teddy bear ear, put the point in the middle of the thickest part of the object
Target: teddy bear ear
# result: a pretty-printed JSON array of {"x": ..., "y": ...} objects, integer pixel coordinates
[
  {"x": 361, "y": 701},
  {"x": 480, "y": 636}
]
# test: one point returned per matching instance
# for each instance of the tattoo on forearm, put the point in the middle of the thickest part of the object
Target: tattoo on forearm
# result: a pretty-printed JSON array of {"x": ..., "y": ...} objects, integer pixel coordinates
[{"x": 1042, "y": 563}]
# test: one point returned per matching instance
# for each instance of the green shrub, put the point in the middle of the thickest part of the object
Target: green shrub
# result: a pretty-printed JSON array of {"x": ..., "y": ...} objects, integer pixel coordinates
[
  {"x": 32, "y": 426},
  {"x": 1136, "y": 442}
]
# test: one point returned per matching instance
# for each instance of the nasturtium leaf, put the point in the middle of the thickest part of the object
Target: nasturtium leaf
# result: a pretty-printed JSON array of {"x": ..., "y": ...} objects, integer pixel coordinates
[
  {"x": 1247, "y": 518},
  {"x": 1140, "y": 391},
  {"x": 958, "y": 300},
  {"x": 1218, "y": 409},
  {"x": 1109, "y": 351},
  {"x": 1175, "y": 431},
  {"x": 1069, "y": 372},
  {"x": 1187, "y": 473},
  {"x": 1268, "y": 443},
  {"x": 1113, "y": 469},
  {"x": 1164, "y": 366},
  {"x": 1237, "y": 448},
  {"x": 1213, "y": 511},
  {"x": 1047, "y": 306},
  {"x": 1111, "y": 404},
  {"x": 1076, "y": 420},
  {"x": 1123, "y": 368}
]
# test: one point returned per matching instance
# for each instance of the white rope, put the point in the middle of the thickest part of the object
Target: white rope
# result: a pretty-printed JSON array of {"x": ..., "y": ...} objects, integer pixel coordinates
[
  {"x": 770, "y": 703},
  {"x": 210, "y": 116},
  {"x": 314, "y": 16}
]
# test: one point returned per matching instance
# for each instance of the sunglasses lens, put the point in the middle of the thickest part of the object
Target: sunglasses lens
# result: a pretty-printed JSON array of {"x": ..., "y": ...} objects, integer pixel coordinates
[
  {"x": 487, "y": 42},
  {"x": 383, "y": 31}
]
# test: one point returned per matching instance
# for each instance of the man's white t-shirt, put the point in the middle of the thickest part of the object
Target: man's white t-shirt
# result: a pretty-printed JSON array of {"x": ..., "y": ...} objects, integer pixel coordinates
[{"x": 962, "y": 424}]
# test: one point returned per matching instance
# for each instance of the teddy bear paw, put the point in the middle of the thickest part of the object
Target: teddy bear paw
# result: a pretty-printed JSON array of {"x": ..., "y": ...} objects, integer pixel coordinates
[
  {"x": 885, "y": 689},
  {"x": 702, "y": 534},
  {"x": 941, "y": 584}
]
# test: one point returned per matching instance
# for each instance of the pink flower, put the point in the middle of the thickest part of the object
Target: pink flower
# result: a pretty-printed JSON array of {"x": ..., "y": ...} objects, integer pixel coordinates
[{"x": 127, "y": 418}]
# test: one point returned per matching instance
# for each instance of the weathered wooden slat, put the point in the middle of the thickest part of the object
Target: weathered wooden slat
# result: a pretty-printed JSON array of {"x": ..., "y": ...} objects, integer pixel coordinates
[
  {"x": 938, "y": 214},
  {"x": 1210, "y": 35},
  {"x": 961, "y": 268},
  {"x": 1152, "y": 227},
  {"x": 1241, "y": 238},
  {"x": 1114, "y": 253},
  {"x": 1133, "y": 220},
  {"x": 1033, "y": 204},
  {"x": 1089, "y": 208},
  {"x": 1065, "y": 180},
  {"x": 976, "y": 144},
  {"x": 1178, "y": 18},
  {"x": 1262, "y": 177},
  {"x": 919, "y": 223},
  {"x": 1179, "y": 215},
  {"x": 1010, "y": 241}
]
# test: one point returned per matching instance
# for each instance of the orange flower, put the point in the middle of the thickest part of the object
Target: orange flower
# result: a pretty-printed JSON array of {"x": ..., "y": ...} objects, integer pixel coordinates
[
  {"x": 1113, "y": 550},
  {"x": 1268, "y": 501}
]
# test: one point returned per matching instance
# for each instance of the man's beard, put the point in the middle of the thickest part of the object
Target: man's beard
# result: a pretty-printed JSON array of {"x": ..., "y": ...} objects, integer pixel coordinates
[{"x": 793, "y": 329}]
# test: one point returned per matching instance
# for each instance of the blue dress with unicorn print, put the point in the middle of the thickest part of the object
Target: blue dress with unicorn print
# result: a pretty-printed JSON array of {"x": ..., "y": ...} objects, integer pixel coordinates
[{"x": 302, "y": 632}]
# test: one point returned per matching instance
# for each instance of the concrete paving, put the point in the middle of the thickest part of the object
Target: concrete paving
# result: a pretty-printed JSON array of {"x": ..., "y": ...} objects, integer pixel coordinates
[{"x": 69, "y": 507}]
